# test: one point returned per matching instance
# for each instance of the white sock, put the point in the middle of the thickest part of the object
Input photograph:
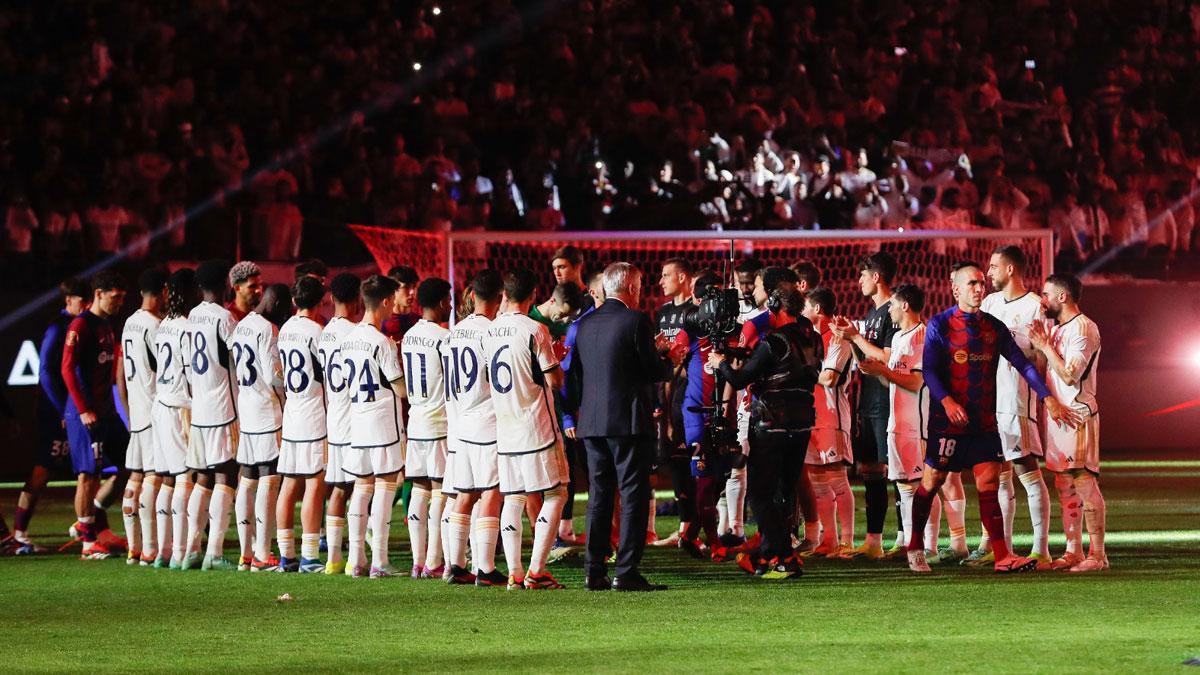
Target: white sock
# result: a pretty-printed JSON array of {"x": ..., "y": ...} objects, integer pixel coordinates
[
  {"x": 1039, "y": 510},
  {"x": 1094, "y": 513},
  {"x": 218, "y": 518},
  {"x": 545, "y": 529},
  {"x": 510, "y": 533},
  {"x": 487, "y": 531},
  {"x": 446, "y": 511},
  {"x": 933, "y": 527},
  {"x": 1007, "y": 494},
  {"x": 265, "y": 499},
  {"x": 907, "y": 490},
  {"x": 356, "y": 521},
  {"x": 474, "y": 539},
  {"x": 418, "y": 522},
  {"x": 735, "y": 493},
  {"x": 335, "y": 527},
  {"x": 381, "y": 521},
  {"x": 310, "y": 545},
  {"x": 179, "y": 517},
  {"x": 148, "y": 516},
  {"x": 129, "y": 515},
  {"x": 956, "y": 520},
  {"x": 433, "y": 555},
  {"x": 823, "y": 494},
  {"x": 723, "y": 514},
  {"x": 844, "y": 498},
  {"x": 287, "y": 543},
  {"x": 460, "y": 532},
  {"x": 1072, "y": 512},
  {"x": 197, "y": 514},
  {"x": 163, "y": 523},
  {"x": 243, "y": 514}
]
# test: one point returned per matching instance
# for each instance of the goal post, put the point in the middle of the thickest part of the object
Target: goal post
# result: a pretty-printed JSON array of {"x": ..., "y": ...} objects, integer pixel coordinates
[{"x": 925, "y": 257}]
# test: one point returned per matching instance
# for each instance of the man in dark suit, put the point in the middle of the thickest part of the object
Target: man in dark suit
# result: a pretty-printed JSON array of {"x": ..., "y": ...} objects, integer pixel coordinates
[{"x": 611, "y": 382}]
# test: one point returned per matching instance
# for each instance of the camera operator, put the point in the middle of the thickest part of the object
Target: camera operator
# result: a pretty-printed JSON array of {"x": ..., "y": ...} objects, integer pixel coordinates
[
  {"x": 707, "y": 468},
  {"x": 783, "y": 369}
]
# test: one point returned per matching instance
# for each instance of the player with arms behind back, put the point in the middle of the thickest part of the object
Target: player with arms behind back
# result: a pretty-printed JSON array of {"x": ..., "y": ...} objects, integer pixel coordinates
[
  {"x": 171, "y": 419},
  {"x": 257, "y": 372},
  {"x": 425, "y": 459},
  {"x": 961, "y": 354},
  {"x": 472, "y": 452},
  {"x": 376, "y": 453},
  {"x": 523, "y": 371},
  {"x": 302, "y": 444},
  {"x": 1072, "y": 350},
  {"x": 213, "y": 432},
  {"x": 141, "y": 375}
]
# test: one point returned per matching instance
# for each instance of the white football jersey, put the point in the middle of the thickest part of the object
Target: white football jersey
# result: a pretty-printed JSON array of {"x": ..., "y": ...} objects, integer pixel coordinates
[
  {"x": 1078, "y": 343},
  {"x": 337, "y": 386},
  {"x": 210, "y": 370},
  {"x": 303, "y": 380},
  {"x": 518, "y": 354},
  {"x": 833, "y": 403},
  {"x": 172, "y": 350},
  {"x": 469, "y": 388},
  {"x": 372, "y": 365},
  {"x": 1013, "y": 395},
  {"x": 420, "y": 352},
  {"x": 141, "y": 366},
  {"x": 908, "y": 410},
  {"x": 257, "y": 371}
]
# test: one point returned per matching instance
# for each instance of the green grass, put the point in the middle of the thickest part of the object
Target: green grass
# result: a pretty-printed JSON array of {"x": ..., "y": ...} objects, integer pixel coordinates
[{"x": 61, "y": 614}]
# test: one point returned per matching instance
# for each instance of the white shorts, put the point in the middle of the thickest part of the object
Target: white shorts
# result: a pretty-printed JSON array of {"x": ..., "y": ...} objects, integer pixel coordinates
[
  {"x": 533, "y": 471},
  {"x": 448, "y": 476},
  {"x": 139, "y": 454},
  {"x": 170, "y": 446},
  {"x": 210, "y": 446},
  {"x": 257, "y": 448},
  {"x": 1077, "y": 448},
  {"x": 1019, "y": 436},
  {"x": 425, "y": 459},
  {"x": 476, "y": 467},
  {"x": 301, "y": 459},
  {"x": 377, "y": 461},
  {"x": 906, "y": 457},
  {"x": 334, "y": 458},
  {"x": 828, "y": 446}
]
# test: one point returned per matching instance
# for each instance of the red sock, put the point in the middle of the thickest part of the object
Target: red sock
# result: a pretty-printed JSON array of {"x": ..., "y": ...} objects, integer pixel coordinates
[
  {"x": 993, "y": 521},
  {"x": 87, "y": 531},
  {"x": 21, "y": 519},
  {"x": 922, "y": 503}
]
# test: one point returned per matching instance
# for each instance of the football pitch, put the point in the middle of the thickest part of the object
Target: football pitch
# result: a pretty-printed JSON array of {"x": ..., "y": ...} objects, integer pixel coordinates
[{"x": 63, "y": 614}]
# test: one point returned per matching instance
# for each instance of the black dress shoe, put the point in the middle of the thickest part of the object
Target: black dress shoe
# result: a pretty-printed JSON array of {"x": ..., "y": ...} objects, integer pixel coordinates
[
  {"x": 635, "y": 582},
  {"x": 602, "y": 583}
]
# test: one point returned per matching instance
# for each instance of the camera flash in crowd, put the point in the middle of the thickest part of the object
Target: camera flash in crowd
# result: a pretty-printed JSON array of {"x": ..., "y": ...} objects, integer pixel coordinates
[
  {"x": 417, "y": 66},
  {"x": 437, "y": 11}
]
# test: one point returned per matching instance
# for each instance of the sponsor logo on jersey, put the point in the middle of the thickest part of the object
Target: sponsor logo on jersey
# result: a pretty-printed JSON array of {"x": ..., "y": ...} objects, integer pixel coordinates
[{"x": 960, "y": 356}]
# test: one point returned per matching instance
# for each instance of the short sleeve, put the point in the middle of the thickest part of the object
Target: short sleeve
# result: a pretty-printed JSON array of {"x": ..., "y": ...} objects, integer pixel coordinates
[
  {"x": 1078, "y": 349},
  {"x": 544, "y": 349},
  {"x": 389, "y": 361},
  {"x": 837, "y": 356}
]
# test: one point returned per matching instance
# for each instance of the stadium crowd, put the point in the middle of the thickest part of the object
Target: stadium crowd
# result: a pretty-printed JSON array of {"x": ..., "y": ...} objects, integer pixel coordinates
[{"x": 600, "y": 114}]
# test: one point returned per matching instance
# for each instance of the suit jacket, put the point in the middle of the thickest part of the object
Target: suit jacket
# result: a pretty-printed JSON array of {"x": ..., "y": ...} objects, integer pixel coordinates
[{"x": 614, "y": 368}]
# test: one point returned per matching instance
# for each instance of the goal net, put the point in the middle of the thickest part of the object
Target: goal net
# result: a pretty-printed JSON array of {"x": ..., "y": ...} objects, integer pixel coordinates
[{"x": 924, "y": 257}]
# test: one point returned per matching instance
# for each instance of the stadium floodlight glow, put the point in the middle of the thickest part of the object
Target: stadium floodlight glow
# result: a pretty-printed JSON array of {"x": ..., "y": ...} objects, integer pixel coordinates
[
  {"x": 1196, "y": 356},
  {"x": 417, "y": 66},
  {"x": 437, "y": 11}
]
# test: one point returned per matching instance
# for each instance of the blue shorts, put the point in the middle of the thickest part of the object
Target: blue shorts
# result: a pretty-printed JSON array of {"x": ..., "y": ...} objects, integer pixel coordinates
[
  {"x": 50, "y": 449},
  {"x": 956, "y": 452},
  {"x": 101, "y": 446}
]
